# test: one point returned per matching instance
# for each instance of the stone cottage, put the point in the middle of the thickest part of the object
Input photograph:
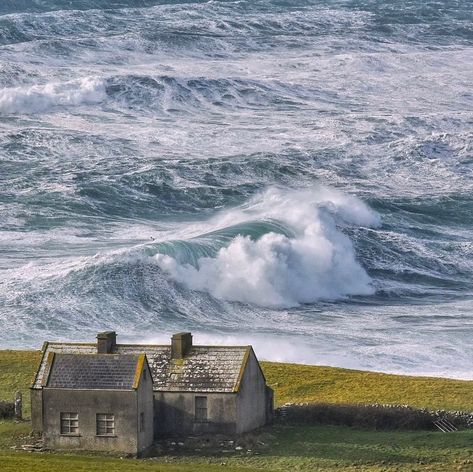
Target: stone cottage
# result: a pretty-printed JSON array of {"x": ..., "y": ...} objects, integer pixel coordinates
[
  {"x": 196, "y": 389},
  {"x": 97, "y": 402}
]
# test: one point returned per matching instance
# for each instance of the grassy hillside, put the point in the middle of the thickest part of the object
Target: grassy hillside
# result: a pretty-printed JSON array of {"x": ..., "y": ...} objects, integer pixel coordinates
[
  {"x": 296, "y": 383},
  {"x": 304, "y": 383},
  {"x": 280, "y": 447}
]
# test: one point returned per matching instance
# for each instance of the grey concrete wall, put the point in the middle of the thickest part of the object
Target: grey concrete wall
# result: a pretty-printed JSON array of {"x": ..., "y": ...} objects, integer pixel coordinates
[
  {"x": 269, "y": 404},
  {"x": 36, "y": 410},
  {"x": 145, "y": 405},
  {"x": 251, "y": 399},
  {"x": 175, "y": 413},
  {"x": 87, "y": 403}
]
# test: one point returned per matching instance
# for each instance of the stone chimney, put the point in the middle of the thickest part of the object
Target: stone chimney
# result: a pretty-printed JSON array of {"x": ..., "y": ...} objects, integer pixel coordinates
[
  {"x": 106, "y": 342},
  {"x": 181, "y": 344}
]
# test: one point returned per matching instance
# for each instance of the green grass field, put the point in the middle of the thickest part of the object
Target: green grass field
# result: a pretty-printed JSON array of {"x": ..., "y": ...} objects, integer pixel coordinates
[
  {"x": 280, "y": 447},
  {"x": 306, "y": 383},
  {"x": 298, "y": 448}
]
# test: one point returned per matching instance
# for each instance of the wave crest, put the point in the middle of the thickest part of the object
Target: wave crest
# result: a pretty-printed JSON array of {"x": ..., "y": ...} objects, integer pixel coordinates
[
  {"x": 40, "y": 98},
  {"x": 276, "y": 270}
]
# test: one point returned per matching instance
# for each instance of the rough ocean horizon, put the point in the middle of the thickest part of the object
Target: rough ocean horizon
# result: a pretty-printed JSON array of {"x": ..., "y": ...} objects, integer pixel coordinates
[{"x": 292, "y": 174}]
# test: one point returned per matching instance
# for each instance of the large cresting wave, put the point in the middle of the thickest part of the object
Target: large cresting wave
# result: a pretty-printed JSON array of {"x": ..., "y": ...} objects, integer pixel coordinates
[{"x": 317, "y": 261}]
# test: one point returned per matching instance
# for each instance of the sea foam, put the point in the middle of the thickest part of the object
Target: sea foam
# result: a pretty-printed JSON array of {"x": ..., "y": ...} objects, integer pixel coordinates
[
  {"x": 276, "y": 270},
  {"x": 40, "y": 98}
]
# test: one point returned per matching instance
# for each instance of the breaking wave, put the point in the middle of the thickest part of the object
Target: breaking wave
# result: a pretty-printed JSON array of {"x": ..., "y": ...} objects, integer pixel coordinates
[
  {"x": 40, "y": 98},
  {"x": 276, "y": 270}
]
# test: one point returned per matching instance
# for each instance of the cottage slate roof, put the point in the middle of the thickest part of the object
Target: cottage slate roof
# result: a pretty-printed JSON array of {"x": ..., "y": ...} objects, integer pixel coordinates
[
  {"x": 204, "y": 368},
  {"x": 93, "y": 371}
]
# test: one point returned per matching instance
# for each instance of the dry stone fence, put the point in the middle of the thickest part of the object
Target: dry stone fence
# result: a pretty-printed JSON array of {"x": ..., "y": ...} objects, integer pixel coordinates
[{"x": 14, "y": 409}]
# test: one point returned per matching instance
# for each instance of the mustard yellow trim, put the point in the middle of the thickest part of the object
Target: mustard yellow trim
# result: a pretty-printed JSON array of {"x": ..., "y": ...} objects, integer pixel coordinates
[
  {"x": 47, "y": 368},
  {"x": 242, "y": 369},
  {"x": 35, "y": 376},
  {"x": 139, "y": 368}
]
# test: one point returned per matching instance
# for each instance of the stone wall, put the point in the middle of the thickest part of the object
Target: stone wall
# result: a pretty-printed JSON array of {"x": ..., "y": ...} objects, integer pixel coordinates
[
  {"x": 145, "y": 405},
  {"x": 7, "y": 410},
  {"x": 175, "y": 413},
  {"x": 252, "y": 398},
  {"x": 36, "y": 396},
  {"x": 87, "y": 403}
]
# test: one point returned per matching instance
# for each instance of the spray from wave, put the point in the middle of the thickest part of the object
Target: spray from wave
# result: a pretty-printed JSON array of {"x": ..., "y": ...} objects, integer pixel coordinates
[
  {"x": 40, "y": 98},
  {"x": 316, "y": 262}
]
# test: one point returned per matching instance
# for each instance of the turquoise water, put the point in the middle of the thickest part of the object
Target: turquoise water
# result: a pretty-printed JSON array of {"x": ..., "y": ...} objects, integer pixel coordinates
[{"x": 295, "y": 175}]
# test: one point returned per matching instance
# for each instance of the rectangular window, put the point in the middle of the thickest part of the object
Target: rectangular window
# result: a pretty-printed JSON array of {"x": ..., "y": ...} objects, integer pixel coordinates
[
  {"x": 105, "y": 424},
  {"x": 69, "y": 423},
  {"x": 142, "y": 421},
  {"x": 201, "y": 409}
]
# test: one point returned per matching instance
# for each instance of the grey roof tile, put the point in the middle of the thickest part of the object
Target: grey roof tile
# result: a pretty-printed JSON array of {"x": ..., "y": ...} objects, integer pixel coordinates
[
  {"x": 98, "y": 371},
  {"x": 204, "y": 369}
]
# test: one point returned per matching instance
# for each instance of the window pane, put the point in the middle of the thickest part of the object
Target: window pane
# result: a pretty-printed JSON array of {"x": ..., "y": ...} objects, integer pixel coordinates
[
  {"x": 105, "y": 424},
  {"x": 201, "y": 408},
  {"x": 69, "y": 423}
]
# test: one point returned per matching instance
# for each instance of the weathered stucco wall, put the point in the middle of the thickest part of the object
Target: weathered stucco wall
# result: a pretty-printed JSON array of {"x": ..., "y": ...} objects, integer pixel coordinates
[
  {"x": 36, "y": 396},
  {"x": 165, "y": 413},
  {"x": 251, "y": 399},
  {"x": 87, "y": 403},
  {"x": 175, "y": 413},
  {"x": 146, "y": 406}
]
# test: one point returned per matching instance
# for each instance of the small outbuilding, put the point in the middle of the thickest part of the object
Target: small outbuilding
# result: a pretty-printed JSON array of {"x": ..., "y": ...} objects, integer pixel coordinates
[{"x": 192, "y": 389}]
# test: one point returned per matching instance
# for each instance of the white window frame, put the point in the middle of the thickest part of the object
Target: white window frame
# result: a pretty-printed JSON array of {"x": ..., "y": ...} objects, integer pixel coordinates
[
  {"x": 69, "y": 423},
  {"x": 105, "y": 424}
]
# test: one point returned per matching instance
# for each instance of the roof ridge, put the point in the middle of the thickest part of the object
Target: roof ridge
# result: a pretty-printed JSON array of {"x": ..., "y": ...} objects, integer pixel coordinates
[
  {"x": 207, "y": 368},
  {"x": 216, "y": 346},
  {"x": 115, "y": 355}
]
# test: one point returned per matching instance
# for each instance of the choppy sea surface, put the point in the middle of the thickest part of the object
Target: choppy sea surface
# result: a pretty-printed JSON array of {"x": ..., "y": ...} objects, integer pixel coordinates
[{"x": 293, "y": 174}]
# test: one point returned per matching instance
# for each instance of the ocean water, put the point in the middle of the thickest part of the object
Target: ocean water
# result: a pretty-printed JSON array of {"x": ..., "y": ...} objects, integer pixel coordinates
[{"x": 293, "y": 174}]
